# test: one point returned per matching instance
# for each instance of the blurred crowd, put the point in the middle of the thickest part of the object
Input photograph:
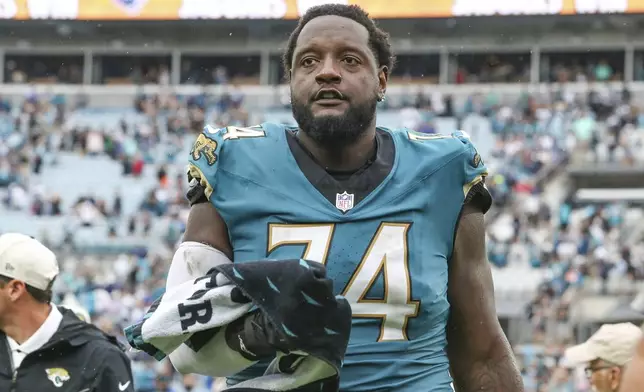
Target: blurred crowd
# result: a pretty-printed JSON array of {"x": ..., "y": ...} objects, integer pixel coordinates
[
  {"x": 583, "y": 246},
  {"x": 587, "y": 247},
  {"x": 245, "y": 70}
]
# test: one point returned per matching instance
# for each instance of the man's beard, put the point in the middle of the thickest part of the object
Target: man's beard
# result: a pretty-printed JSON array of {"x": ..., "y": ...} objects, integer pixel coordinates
[{"x": 332, "y": 132}]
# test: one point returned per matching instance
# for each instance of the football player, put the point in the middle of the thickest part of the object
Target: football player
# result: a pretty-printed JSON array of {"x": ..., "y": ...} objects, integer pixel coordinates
[{"x": 396, "y": 217}]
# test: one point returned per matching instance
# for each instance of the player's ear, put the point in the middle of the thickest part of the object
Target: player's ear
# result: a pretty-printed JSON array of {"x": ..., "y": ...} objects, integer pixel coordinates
[
  {"x": 383, "y": 74},
  {"x": 383, "y": 77}
]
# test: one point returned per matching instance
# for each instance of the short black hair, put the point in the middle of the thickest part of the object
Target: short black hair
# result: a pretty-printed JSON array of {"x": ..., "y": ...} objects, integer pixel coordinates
[
  {"x": 42, "y": 296},
  {"x": 378, "y": 39}
]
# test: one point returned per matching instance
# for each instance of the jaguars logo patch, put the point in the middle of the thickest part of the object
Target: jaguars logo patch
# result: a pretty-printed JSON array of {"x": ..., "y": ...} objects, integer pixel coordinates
[
  {"x": 204, "y": 147},
  {"x": 476, "y": 161},
  {"x": 57, "y": 376}
]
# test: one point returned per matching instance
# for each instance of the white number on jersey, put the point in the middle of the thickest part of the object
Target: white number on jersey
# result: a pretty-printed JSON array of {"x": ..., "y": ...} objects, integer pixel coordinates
[
  {"x": 387, "y": 253},
  {"x": 425, "y": 136},
  {"x": 233, "y": 133}
]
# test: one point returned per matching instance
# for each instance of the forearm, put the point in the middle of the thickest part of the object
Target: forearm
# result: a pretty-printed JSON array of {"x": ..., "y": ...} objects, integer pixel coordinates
[
  {"x": 481, "y": 358},
  {"x": 494, "y": 371},
  {"x": 216, "y": 358}
]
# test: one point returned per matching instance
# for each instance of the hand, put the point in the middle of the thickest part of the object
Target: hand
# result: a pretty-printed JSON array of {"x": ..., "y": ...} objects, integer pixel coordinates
[{"x": 254, "y": 337}]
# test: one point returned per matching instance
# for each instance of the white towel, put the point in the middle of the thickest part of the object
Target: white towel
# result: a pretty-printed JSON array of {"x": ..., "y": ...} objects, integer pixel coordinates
[{"x": 294, "y": 294}]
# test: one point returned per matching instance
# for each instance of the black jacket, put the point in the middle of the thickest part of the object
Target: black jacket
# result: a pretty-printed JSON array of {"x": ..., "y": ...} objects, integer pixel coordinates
[{"x": 78, "y": 358}]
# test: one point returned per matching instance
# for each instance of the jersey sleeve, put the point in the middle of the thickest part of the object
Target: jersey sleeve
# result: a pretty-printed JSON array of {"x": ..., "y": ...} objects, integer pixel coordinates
[
  {"x": 203, "y": 164},
  {"x": 475, "y": 172}
]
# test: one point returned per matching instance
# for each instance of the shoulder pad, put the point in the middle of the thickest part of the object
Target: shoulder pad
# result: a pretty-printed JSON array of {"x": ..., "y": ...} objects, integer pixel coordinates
[
  {"x": 206, "y": 153},
  {"x": 473, "y": 155},
  {"x": 474, "y": 170},
  {"x": 462, "y": 136}
]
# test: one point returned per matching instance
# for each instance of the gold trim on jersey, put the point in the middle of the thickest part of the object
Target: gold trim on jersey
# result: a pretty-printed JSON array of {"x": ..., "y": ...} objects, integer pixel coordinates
[
  {"x": 478, "y": 179},
  {"x": 197, "y": 174}
]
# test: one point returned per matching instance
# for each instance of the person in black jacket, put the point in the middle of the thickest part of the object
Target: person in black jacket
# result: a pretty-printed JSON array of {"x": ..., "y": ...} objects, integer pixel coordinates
[{"x": 44, "y": 347}]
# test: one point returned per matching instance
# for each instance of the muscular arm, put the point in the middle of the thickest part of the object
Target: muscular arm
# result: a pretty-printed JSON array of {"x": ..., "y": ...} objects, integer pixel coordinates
[
  {"x": 205, "y": 225},
  {"x": 479, "y": 353},
  {"x": 634, "y": 374}
]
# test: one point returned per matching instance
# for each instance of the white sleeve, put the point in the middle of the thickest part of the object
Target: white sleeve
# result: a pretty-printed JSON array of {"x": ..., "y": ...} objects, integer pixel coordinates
[{"x": 191, "y": 261}]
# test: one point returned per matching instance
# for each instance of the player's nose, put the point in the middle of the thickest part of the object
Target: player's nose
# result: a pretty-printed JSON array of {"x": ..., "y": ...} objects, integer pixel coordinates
[{"x": 328, "y": 73}]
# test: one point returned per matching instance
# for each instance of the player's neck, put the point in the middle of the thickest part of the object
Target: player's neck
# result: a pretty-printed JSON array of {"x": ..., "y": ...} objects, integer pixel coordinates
[
  {"x": 351, "y": 157},
  {"x": 26, "y": 322}
]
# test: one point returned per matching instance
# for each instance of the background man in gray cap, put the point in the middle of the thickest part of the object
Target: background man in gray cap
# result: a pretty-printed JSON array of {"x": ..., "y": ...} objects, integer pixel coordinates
[
  {"x": 44, "y": 347},
  {"x": 605, "y": 355}
]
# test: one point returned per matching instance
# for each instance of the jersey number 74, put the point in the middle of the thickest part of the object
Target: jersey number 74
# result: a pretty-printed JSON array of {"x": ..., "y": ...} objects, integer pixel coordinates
[{"x": 386, "y": 254}]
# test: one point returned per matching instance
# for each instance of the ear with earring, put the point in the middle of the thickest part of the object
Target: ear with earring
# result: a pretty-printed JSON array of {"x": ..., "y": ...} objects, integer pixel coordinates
[{"x": 381, "y": 97}]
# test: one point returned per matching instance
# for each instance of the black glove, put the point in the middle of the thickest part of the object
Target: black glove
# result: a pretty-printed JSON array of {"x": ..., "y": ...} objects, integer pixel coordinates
[{"x": 255, "y": 338}]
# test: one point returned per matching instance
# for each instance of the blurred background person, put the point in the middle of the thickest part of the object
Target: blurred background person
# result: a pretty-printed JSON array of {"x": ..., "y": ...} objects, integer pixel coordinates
[
  {"x": 49, "y": 348},
  {"x": 606, "y": 355}
]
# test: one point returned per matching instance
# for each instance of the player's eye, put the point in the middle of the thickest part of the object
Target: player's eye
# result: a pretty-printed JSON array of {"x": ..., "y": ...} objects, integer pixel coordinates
[
  {"x": 351, "y": 60},
  {"x": 307, "y": 61}
]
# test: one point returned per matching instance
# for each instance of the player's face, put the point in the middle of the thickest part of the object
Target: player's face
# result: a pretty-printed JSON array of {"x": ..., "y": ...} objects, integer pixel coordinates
[{"x": 335, "y": 81}]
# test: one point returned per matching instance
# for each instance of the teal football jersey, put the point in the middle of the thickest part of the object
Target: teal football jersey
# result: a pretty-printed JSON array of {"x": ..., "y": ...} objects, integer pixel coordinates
[{"x": 387, "y": 252}]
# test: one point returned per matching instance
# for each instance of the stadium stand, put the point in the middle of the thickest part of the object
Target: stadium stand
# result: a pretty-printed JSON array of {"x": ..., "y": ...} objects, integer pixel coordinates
[{"x": 96, "y": 172}]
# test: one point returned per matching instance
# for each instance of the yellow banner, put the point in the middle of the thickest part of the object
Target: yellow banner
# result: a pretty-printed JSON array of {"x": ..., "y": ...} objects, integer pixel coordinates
[{"x": 292, "y": 9}]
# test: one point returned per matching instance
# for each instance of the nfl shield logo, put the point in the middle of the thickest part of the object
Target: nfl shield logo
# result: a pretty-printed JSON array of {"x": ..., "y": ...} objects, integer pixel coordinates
[{"x": 344, "y": 201}]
